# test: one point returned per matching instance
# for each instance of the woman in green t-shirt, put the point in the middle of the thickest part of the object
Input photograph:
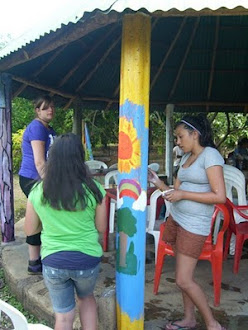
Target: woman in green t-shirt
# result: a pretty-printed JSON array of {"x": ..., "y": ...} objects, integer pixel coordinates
[{"x": 68, "y": 207}]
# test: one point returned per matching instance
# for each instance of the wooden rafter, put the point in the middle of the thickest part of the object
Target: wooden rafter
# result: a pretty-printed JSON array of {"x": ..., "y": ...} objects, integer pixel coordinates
[
  {"x": 104, "y": 57},
  {"x": 211, "y": 77},
  {"x": 36, "y": 73},
  {"x": 184, "y": 58},
  {"x": 116, "y": 92},
  {"x": 89, "y": 53},
  {"x": 43, "y": 87},
  {"x": 90, "y": 74},
  {"x": 168, "y": 53},
  {"x": 72, "y": 97}
]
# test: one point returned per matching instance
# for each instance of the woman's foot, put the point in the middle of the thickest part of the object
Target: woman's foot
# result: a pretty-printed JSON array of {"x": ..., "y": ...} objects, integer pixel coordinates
[
  {"x": 181, "y": 325},
  {"x": 215, "y": 326}
]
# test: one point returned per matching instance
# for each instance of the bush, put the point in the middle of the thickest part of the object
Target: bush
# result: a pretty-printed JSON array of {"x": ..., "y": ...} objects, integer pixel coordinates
[{"x": 17, "y": 149}]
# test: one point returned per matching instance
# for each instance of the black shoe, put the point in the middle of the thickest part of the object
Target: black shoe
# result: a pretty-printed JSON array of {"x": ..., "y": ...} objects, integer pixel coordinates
[{"x": 35, "y": 267}]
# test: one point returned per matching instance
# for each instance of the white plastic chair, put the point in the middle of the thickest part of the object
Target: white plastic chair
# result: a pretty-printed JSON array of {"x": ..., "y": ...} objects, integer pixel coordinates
[
  {"x": 154, "y": 167},
  {"x": 18, "y": 320},
  {"x": 153, "y": 225},
  {"x": 234, "y": 180},
  {"x": 96, "y": 164},
  {"x": 107, "y": 179},
  {"x": 114, "y": 166}
]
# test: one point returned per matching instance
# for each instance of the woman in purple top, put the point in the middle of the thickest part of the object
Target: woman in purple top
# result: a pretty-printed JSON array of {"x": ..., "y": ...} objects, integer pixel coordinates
[{"x": 37, "y": 139}]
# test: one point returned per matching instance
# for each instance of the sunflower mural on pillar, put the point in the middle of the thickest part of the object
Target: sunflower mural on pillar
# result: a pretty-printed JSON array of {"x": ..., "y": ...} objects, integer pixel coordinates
[{"x": 129, "y": 146}]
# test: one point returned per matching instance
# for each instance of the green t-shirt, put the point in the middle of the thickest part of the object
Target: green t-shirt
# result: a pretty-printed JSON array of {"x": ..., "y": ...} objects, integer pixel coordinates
[{"x": 67, "y": 230}]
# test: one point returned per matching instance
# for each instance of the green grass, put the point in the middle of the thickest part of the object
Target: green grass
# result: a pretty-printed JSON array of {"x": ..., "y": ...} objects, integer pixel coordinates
[{"x": 6, "y": 296}]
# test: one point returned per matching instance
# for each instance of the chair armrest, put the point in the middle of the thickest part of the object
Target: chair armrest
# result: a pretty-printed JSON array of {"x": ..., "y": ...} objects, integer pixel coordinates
[{"x": 239, "y": 208}]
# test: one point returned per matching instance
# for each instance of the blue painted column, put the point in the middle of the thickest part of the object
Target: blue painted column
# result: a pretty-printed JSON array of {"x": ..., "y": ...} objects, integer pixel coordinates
[
  {"x": 132, "y": 165},
  {"x": 6, "y": 174}
]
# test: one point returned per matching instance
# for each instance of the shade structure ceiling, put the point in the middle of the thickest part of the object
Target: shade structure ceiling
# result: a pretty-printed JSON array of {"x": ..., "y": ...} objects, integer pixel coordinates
[{"x": 199, "y": 60}]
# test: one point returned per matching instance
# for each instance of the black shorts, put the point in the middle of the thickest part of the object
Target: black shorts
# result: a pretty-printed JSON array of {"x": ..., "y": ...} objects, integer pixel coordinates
[{"x": 26, "y": 185}]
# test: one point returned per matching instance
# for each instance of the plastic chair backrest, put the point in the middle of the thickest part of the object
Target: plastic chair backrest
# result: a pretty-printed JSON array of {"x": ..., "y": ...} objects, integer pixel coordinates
[
  {"x": 96, "y": 164},
  {"x": 110, "y": 175},
  {"x": 226, "y": 218},
  {"x": 18, "y": 320},
  {"x": 239, "y": 210},
  {"x": 153, "y": 209},
  {"x": 114, "y": 166},
  {"x": 154, "y": 167},
  {"x": 234, "y": 178}
]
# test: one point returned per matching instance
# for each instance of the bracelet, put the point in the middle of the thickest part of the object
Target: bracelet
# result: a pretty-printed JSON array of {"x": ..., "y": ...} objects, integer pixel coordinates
[{"x": 163, "y": 193}]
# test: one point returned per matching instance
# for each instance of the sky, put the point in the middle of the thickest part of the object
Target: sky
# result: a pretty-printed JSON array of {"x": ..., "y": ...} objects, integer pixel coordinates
[{"x": 17, "y": 16}]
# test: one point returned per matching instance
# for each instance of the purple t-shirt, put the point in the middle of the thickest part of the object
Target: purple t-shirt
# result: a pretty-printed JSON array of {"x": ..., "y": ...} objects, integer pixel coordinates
[{"x": 35, "y": 131}]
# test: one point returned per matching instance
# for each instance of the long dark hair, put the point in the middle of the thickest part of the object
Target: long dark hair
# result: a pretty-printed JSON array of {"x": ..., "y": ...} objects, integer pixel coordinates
[
  {"x": 67, "y": 182},
  {"x": 201, "y": 124}
]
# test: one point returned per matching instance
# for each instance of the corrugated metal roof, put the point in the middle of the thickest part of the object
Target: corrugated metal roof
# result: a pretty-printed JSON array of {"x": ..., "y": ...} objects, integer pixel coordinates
[{"x": 76, "y": 10}]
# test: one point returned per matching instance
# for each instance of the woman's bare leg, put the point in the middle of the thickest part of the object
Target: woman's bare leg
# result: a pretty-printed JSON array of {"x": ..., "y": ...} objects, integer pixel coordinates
[
  {"x": 87, "y": 312},
  {"x": 192, "y": 294},
  {"x": 64, "y": 321}
]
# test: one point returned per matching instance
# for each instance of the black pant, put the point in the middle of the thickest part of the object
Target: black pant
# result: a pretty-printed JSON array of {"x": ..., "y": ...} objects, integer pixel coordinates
[{"x": 26, "y": 185}]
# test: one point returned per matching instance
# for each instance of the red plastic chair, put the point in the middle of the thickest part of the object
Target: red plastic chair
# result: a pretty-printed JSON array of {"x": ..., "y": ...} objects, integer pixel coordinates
[
  {"x": 239, "y": 229},
  {"x": 211, "y": 252}
]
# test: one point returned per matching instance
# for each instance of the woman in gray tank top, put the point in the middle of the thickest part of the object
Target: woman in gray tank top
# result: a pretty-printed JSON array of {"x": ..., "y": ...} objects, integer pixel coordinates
[{"x": 198, "y": 186}]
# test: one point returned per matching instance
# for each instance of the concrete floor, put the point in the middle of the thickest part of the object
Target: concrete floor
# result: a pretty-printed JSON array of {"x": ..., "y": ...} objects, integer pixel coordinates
[{"x": 166, "y": 305}]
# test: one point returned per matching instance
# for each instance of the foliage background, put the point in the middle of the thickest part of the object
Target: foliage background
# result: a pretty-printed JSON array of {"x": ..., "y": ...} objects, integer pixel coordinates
[{"x": 103, "y": 127}]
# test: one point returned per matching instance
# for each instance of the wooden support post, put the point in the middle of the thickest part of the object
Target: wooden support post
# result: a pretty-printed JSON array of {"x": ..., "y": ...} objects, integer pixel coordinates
[
  {"x": 77, "y": 119},
  {"x": 132, "y": 166},
  {"x": 169, "y": 143},
  {"x": 6, "y": 173}
]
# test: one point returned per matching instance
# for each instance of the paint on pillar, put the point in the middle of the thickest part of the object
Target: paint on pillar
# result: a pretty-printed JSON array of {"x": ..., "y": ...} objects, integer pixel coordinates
[{"x": 132, "y": 200}]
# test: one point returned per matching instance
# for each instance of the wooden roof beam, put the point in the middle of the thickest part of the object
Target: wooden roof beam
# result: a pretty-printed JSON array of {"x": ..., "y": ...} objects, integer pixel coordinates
[
  {"x": 211, "y": 76},
  {"x": 168, "y": 53},
  {"x": 43, "y": 87},
  {"x": 184, "y": 58},
  {"x": 50, "y": 60},
  {"x": 90, "y": 74},
  {"x": 81, "y": 61}
]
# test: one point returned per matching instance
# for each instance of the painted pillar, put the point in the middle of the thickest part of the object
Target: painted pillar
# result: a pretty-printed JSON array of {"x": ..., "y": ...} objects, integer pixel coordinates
[
  {"x": 132, "y": 166},
  {"x": 6, "y": 174},
  {"x": 169, "y": 143}
]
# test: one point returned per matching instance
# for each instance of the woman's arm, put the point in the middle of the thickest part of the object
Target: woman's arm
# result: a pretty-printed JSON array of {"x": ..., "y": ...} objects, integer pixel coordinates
[
  {"x": 32, "y": 223},
  {"x": 217, "y": 195},
  {"x": 39, "y": 156},
  {"x": 101, "y": 216},
  {"x": 153, "y": 178}
]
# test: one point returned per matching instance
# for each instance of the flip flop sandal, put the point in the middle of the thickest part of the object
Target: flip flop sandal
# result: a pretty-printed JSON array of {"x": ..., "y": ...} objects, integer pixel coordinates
[{"x": 180, "y": 327}]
